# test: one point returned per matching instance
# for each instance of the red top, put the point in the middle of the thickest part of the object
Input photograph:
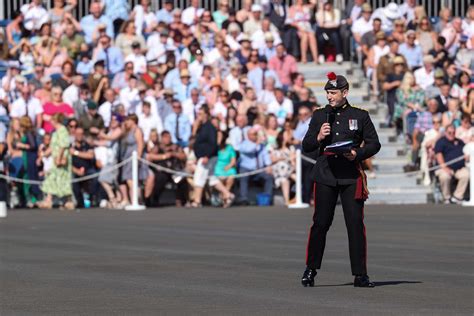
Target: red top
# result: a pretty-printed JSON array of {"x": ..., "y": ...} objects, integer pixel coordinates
[{"x": 49, "y": 109}]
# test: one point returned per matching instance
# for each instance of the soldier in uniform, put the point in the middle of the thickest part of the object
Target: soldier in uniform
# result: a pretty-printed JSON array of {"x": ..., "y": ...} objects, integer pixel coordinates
[{"x": 339, "y": 174}]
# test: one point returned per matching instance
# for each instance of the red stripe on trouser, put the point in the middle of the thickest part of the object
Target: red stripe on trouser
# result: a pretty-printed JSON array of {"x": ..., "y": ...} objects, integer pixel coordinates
[
  {"x": 365, "y": 241},
  {"x": 314, "y": 216}
]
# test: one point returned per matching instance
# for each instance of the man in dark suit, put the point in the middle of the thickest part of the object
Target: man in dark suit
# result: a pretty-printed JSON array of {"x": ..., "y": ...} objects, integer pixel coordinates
[
  {"x": 443, "y": 97},
  {"x": 339, "y": 173}
]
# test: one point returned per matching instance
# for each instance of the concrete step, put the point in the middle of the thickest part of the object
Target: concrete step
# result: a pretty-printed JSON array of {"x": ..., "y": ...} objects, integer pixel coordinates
[
  {"x": 392, "y": 181},
  {"x": 391, "y": 151},
  {"x": 389, "y": 165},
  {"x": 418, "y": 195}
]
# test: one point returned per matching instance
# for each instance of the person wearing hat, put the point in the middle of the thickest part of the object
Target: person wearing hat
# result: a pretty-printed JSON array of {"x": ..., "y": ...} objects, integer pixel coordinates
[
  {"x": 91, "y": 120},
  {"x": 385, "y": 64},
  {"x": 137, "y": 58},
  {"x": 254, "y": 23},
  {"x": 434, "y": 90},
  {"x": 411, "y": 51},
  {"x": 424, "y": 76},
  {"x": 339, "y": 173},
  {"x": 387, "y": 15},
  {"x": 363, "y": 24},
  {"x": 183, "y": 88},
  {"x": 375, "y": 53}
]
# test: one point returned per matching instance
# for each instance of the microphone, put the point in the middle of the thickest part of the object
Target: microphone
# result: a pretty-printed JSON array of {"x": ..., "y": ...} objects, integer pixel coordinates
[{"x": 330, "y": 114}]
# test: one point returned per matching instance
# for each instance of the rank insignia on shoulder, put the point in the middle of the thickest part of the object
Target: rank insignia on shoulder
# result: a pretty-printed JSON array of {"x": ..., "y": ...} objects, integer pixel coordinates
[{"x": 353, "y": 125}]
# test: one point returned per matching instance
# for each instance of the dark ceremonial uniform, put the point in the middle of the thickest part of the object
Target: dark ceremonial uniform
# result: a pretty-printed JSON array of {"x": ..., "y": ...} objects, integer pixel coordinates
[{"x": 335, "y": 175}]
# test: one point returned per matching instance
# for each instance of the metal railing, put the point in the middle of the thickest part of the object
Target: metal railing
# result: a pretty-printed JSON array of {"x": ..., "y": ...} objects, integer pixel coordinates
[{"x": 458, "y": 7}]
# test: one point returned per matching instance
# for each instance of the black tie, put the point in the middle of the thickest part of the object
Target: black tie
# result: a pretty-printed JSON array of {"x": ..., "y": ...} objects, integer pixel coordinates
[
  {"x": 107, "y": 60},
  {"x": 177, "y": 128}
]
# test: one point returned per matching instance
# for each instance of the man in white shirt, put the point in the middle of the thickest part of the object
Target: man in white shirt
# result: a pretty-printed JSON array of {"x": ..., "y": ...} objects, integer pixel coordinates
[
  {"x": 137, "y": 58},
  {"x": 267, "y": 33},
  {"x": 192, "y": 14},
  {"x": 363, "y": 24},
  {"x": 192, "y": 105},
  {"x": 108, "y": 107},
  {"x": 407, "y": 10},
  {"x": 157, "y": 45},
  {"x": 197, "y": 66},
  {"x": 282, "y": 107},
  {"x": 424, "y": 76},
  {"x": 267, "y": 95},
  {"x": 147, "y": 121},
  {"x": 239, "y": 133},
  {"x": 27, "y": 105},
  {"x": 254, "y": 23},
  {"x": 71, "y": 93},
  {"x": 129, "y": 97}
]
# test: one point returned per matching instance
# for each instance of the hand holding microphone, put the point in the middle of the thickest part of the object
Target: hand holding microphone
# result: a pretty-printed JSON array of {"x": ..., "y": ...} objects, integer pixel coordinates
[{"x": 324, "y": 131}]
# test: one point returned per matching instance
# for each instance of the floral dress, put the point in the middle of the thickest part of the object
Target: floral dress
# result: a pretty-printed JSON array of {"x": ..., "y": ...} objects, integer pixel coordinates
[
  {"x": 413, "y": 96},
  {"x": 283, "y": 169},
  {"x": 58, "y": 181}
]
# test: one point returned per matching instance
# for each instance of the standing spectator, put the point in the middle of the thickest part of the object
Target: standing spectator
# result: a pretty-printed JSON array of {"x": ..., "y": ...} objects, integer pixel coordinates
[
  {"x": 147, "y": 121},
  {"x": 29, "y": 147},
  {"x": 373, "y": 59},
  {"x": 178, "y": 125},
  {"x": 90, "y": 23},
  {"x": 91, "y": 121},
  {"x": 283, "y": 159},
  {"x": 83, "y": 164},
  {"x": 300, "y": 16},
  {"x": 132, "y": 140},
  {"x": 411, "y": 51},
  {"x": 58, "y": 181},
  {"x": 392, "y": 83},
  {"x": 205, "y": 149},
  {"x": 284, "y": 65},
  {"x": 329, "y": 21},
  {"x": 55, "y": 106},
  {"x": 448, "y": 148},
  {"x": 254, "y": 155}
]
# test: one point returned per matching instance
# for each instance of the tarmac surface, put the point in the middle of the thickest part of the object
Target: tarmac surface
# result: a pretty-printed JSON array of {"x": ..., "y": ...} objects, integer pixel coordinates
[{"x": 236, "y": 261}]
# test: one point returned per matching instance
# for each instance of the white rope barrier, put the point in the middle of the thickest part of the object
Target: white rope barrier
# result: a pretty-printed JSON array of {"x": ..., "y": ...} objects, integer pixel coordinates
[
  {"x": 75, "y": 180},
  {"x": 411, "y": 173}
]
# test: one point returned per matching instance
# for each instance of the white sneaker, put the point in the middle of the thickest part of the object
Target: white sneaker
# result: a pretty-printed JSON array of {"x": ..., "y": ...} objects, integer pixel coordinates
[
  {"x": 339, "y": 59},
  {"x": 321, "y": 59}
]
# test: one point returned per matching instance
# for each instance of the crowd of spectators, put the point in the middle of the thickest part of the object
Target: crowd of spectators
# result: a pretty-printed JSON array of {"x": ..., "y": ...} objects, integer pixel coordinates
[{"x": 212, "y": 94}]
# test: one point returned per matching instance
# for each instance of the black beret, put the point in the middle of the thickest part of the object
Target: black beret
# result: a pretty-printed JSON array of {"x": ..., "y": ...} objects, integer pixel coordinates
[{"x": 336, "y": 82}]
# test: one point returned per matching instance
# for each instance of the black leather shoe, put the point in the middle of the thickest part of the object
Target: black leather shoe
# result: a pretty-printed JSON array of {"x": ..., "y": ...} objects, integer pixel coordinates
[
  {"x": 308, "y": 277},
  {"x": 363, "y": 281}
]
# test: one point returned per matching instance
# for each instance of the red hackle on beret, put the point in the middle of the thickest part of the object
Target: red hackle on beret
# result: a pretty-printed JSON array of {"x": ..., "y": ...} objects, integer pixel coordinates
[{"x": 331, "y": 76}]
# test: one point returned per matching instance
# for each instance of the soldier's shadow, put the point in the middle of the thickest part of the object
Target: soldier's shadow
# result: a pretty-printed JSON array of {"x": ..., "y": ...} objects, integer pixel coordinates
[{"x": 377, "y": 283}]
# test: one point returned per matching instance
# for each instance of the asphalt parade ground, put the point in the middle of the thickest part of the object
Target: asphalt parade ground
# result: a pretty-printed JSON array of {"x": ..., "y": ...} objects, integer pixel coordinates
[{"x": 236, "y": 261}]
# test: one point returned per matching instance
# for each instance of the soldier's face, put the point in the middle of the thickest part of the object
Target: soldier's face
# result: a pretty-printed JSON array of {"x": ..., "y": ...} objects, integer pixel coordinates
[{"x": 336, "y": 97}]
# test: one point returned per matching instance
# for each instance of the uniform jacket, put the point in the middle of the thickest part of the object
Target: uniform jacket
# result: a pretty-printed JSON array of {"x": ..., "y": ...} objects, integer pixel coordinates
[{"x": 347, "y": 123}]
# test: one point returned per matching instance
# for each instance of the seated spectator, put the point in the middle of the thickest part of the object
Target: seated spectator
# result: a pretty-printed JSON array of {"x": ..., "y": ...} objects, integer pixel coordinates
[
  {"x": 411, "y": 51},
  {"x": 465, "y": 55},
  {"x": 284, "y": 65},
  {"x": 166, "y": 154},
  {"x": 424, "y": 76},
  {"x": 271, "y": 131},
  {"x": 439, "y": 53},
  {"x": 448, "y": 148},
  {"x": 253, "y": 156},
  {"x": 127, "y": 37},
  {"x": 444, "y": 19},
  {"x": 137, "y": 58},
  {"x": 453, "y": 114},
  {"x": 254, "y": 22},
  {"x": 460, "y": 88},
  {"x": 410, "y": 99},
  {"x": 91, "y": 23},
  {"x": 468, "y": 104},
  {"x": 425, "y": 35},
  {"x": 388, "y": 15},
  {"x": 368, "y": 39},
  {"x": 111, "y": 55},
  {"x": 299, "y": 16},
  {"x": 465, "y": 131},
  {"x": 329, "y": 20},
  {"x": 27, "y": 105},
  {"x": 145, "y": 19},
  {"x": 226, "y": 162},
  {"x": 399, "y": 31},
  {"x": 165, "y": 13},
  {"x": 427, "y": 155},
  {"x": 434, "y": 90},
  {"x": 363, "y": 24},
  {"x": 219, "y": 16},
  {"x": 452, "y": 33},
  {"x": 117, "y": 11},
  {"x": 282, "y": 107},
  {"x": 34, "y": 15},
  {"x": 386, "y": 62},
  {"x": 283, "y": 159},
  {"x": 375, "y": 53},
  {"x": 14, "y": 29}
]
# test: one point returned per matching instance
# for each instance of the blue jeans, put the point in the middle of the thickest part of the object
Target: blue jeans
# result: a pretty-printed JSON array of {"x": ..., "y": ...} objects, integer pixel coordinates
[{"x": 244, "y": 183}]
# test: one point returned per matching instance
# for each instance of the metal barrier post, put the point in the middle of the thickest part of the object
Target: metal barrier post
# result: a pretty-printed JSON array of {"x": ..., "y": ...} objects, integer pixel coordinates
[
  {"x": 135, "y": 206},
  {"x": 299, "y": 203},
  {"x": 471, "y": 179}
]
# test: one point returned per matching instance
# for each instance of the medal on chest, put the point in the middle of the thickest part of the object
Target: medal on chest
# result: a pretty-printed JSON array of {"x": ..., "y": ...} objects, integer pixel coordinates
[{"x": 353, "y": 125}]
